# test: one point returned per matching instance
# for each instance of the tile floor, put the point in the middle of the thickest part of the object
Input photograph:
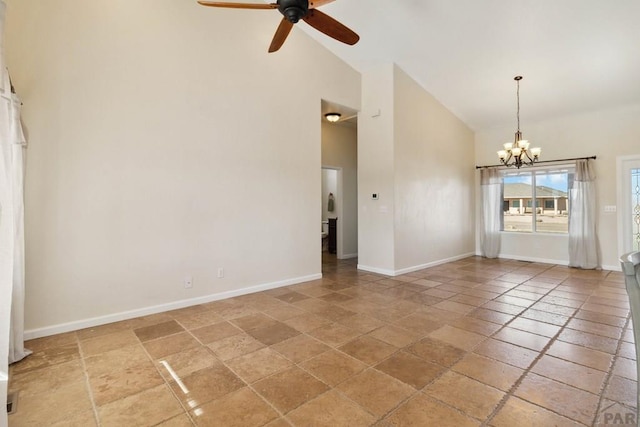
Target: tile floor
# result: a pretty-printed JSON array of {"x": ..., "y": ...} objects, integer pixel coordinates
[{"x": 468, "y": 343}]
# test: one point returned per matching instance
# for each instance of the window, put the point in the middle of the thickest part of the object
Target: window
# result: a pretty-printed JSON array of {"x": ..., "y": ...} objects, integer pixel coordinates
[{"x": 546, "y": 189}]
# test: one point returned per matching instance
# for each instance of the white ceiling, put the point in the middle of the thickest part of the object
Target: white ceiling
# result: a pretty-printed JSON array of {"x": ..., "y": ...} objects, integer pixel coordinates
[{"x": 575, "y": 55}]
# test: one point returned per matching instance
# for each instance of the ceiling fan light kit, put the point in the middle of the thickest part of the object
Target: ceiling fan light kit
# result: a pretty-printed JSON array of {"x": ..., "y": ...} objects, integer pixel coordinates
[
  {"x": 517, "y": 153},
  {"x": 292, "y": 12}
]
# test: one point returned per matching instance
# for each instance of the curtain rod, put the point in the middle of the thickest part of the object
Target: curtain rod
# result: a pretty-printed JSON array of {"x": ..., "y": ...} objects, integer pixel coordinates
[{"x": 544, "y": 161}]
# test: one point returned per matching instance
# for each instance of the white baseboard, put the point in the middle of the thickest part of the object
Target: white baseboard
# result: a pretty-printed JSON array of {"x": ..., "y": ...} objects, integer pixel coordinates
[
  {"x": 532, "y": 259},
  {"x": 550, "y": 261},
  {"x": 349, "y": 256},
  {"x": 145, "y": 311},
  {"x": 612, "y": 267},
  {"x": 376, "y": 270},
  {"x": 432, "y": 264},
  {"x": 415, "y": 267}
]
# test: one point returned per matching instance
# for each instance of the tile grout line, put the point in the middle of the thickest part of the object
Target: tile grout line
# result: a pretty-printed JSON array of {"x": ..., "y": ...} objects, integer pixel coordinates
[
  {"x": 539, "y": 356},
  {"x": 542, "y": 352},
  {"x": 335, "y": 387},
  {"x": 449, "y": 369},
  {"x": 223, "y": 363},
  {"x": 280, "y": 414},
  {"x": 243, "y": 331},
  {"x": 610, "y": 372},
  {"x": 164, "y": 379},
  {"x": 88, "y": 382},
  {"x": 152, "y": 360},
  {"x": 330, "y": 387}
]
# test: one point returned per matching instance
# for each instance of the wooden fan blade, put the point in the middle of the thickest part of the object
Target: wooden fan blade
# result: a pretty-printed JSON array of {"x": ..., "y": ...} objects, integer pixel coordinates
[
  {"x": 317, "y": 3},
  {"x": 281, "y": 35},
  {"x": 239, "y": 5},
  {"x": 326, "y": 24}
]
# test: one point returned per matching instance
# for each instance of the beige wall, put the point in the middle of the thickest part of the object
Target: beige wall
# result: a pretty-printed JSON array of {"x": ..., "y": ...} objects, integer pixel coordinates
[
  {"x": 340, "y": 150},
  {"x": 376, "y": 171},
  {"x": 413, "y": 152},
  {"x": 606, "y": 134},
  {"x": 434, "y": 178},
  {"x": 159, "y": 151}
]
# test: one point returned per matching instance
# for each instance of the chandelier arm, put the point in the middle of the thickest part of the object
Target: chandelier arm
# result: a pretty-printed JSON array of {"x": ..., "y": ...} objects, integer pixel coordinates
[{"x": 506, "y": 161}]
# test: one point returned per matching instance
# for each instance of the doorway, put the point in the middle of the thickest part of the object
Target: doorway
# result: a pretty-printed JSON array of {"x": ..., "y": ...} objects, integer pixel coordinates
[
  {"x": 339, "y": 167},
  {"x": 628, "y": 204},
  {"x": 331, "y": 207}
]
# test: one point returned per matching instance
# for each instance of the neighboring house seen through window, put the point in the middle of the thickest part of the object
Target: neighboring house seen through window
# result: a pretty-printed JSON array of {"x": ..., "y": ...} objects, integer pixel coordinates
[{"x": 545, "y": 188}]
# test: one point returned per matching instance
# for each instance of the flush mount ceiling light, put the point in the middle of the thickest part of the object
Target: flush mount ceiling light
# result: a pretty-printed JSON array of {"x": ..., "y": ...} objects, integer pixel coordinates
[
  {"x": 517, "y": 153},
  {"x": 333, "y": 117}
]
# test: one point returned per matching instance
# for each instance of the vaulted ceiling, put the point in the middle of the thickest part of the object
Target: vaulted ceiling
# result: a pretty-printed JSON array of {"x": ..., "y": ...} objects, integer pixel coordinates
[{"x": 575, "y": 55}]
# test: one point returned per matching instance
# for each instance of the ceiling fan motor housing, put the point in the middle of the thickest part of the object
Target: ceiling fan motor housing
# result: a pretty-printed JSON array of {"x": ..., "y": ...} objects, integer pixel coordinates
[{"x": 293, "y": 10}]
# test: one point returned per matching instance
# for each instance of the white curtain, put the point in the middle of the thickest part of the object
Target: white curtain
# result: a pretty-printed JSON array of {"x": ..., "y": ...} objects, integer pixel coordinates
[
  {"x": 583, "y": 241},
  {"x": 12, "y": 146},
  {"x": 491, "y": 189},
  {"x": 5, "y": 265}
]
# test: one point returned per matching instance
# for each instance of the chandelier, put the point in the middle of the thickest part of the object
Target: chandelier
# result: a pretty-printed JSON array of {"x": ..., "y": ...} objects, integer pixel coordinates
[{"x": 518, "y": 153}]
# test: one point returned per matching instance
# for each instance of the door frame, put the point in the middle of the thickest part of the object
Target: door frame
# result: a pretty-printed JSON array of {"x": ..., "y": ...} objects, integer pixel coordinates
[{"x": 623, "y": 165}]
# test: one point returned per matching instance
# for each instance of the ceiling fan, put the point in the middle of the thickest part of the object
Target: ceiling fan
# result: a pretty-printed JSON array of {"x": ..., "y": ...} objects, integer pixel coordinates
[{"x": 293, "y": 11}]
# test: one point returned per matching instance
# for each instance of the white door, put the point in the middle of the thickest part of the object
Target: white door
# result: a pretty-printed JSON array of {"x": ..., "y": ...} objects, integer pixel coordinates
[{"x": 628, "y": 204}]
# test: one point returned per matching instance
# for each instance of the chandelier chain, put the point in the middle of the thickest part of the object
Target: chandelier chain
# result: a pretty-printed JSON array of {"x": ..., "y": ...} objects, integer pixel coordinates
[{"x": 518, "y": 98}]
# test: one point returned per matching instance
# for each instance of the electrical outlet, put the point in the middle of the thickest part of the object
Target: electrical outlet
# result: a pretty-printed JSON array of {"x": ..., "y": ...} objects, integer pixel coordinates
[
  {"x": 220, "y": 273},
  {"x": 188, "y": 282}
]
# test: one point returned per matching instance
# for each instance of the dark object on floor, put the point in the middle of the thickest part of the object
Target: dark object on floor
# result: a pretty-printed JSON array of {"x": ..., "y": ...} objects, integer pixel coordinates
[{"x": 12, "y": 402}]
